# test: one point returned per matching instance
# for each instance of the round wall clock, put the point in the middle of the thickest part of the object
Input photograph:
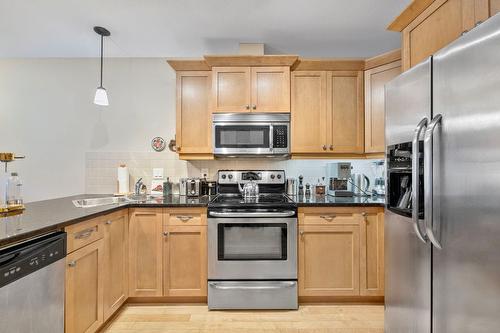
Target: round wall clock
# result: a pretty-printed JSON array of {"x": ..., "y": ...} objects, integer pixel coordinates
[{"x": 158, "y": 144}]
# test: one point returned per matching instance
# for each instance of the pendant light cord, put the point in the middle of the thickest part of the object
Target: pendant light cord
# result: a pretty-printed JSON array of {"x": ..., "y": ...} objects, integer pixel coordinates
[{"x": 102, "y": 44}]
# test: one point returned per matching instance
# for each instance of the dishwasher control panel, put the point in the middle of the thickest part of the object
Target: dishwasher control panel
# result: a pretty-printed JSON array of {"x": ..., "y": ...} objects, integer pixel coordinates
[{"x": 25, "y": 258}]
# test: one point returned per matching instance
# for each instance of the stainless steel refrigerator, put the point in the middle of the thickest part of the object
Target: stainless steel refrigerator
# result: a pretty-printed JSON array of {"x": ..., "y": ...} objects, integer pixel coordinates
[{"x": 442, "y": 227}]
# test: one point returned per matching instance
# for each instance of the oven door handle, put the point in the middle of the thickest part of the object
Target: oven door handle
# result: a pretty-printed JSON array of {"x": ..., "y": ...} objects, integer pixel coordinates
[
  {"x": 279, "y": 285},
  {"x": 286, "y": 213}
]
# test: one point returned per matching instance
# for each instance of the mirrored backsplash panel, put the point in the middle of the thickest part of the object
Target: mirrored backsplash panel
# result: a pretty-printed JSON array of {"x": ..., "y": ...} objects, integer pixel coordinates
[{"x": 101, "y": 168}]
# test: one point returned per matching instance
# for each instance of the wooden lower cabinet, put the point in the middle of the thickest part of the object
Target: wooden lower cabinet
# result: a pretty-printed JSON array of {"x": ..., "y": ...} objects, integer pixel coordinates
[
  {"x": 341, "y": 252},
  {"x": 84, "y": 289},
  {"x": 115, "y": 279},
  {"x": 185, "y": 261},
  {"x": 145, "y": 252}
]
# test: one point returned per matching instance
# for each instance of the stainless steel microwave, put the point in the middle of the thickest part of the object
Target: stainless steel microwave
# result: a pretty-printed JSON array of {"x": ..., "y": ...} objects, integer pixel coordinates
[{"x": 247, "y": 134}]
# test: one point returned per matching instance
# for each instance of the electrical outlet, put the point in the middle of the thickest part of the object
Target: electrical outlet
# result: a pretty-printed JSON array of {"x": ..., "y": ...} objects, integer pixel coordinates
[{"x": 204, "y": 173}]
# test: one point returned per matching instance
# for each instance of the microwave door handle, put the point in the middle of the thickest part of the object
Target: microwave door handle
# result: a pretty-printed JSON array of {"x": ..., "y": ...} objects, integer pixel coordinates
[
  {"x": 271, "y": 135},
  {"x": 428, "y": 181},
  {"x": 415, "y": 170}
]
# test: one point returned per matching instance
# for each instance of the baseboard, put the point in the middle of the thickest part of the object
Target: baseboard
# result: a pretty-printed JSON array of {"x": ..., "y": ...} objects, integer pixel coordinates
[{"x": 303, "y": 300}]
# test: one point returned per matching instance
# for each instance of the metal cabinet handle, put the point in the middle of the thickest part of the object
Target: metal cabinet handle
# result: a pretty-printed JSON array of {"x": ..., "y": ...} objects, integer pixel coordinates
[
  {"x": 428, "y": 181},
  {"x": 331, "y": 147},
  {"x": 329, "y": 218},
  {"x": 415, "y": 181},
  {"x": 109, "y": 222},
  {"x": 364, "y": 216},
  {"x": 254, "y": 107},
  {"x": 247, "y": 107},
  {"x": 72, "y": 263},
  {"x": 324, "y": 147},
  {"x": 85, "y": 233},
  {"x": 165, "y": 233},
  {"x": 184, "y": 218}
]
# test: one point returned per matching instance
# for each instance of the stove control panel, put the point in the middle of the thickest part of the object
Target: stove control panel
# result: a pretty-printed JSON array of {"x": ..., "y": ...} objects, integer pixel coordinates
[{"x": 244, "y": 176}]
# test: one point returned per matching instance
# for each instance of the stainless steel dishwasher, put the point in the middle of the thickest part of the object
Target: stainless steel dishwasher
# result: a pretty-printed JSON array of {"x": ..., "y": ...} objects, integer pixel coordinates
[{"x": 32, "y": 285}]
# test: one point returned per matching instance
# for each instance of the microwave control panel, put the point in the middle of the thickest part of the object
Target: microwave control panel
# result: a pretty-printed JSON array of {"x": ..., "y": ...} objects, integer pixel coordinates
[{"x": 280, "y": 136}]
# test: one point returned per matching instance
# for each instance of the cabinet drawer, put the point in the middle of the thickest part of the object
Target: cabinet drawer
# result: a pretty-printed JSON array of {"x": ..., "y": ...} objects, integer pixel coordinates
[
  {"x": 84, "y": 233},
  {"x": 185, "y": 216}
]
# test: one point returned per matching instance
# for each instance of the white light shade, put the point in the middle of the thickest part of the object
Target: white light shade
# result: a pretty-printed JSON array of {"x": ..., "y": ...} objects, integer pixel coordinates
[{"x": 101, "y": 97}]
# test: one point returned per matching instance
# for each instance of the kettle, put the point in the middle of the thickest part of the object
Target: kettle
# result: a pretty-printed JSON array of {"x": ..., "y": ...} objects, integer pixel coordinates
[
  {"x": 360, "y": 184},
  {"x": 250, "y": 189}
]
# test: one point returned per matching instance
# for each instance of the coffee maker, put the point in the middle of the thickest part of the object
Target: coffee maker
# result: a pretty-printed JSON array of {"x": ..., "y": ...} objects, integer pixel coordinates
[{"x": 339, "y": 176}]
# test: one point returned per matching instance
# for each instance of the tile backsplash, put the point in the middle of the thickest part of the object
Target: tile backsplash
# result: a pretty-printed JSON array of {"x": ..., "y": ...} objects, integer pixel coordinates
[{"x": 101, "y": 168}]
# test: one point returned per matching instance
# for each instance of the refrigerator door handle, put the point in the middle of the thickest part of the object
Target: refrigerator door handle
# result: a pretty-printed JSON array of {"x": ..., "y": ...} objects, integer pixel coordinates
[
  {"x": 415, "y": 169},
  {"x": 428, "y": 181}
]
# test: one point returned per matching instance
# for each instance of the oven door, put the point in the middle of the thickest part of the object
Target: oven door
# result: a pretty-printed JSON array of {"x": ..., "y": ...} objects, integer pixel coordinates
[
  {"x": 252, "y": 248},
  {"x": 242, "y": 138}
]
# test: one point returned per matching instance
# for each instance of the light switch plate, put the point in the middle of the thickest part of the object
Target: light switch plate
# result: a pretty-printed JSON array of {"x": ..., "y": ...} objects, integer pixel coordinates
[
  {"x": 204, "y": 173},
  {"x": 157, "y": 173}
]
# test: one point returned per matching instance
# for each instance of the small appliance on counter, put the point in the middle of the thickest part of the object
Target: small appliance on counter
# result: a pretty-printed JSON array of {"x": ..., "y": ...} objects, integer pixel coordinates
[
  {"x": 183, "y": 186},
  {"x": 339, "y": 177},
  {"x": 193, "y": 187},
  {"x": 291, "y": 186},
  {"x": 360, "y": 184},
  {"x": 378, "y": 168},
  {"x": 208, "y": 187}
]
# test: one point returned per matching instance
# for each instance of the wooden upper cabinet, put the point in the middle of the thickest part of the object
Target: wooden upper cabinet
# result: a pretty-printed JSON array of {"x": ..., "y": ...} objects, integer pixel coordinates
[
  {"x": 115, "y": 279},
  {"x": 231, "y": 89},
  {"x": 270, "y": 89},
  {"x": 345, "y": 111},
  {"x": 246, "y": 89},
  {"x": 308, "y": 112},
  {"x": 194, "y": 112},
  {"x": 145, "y": 252},
  {"x": 428, "y": 26},
  {"x": 375, "y": 80},
  {"x": 84, "y": 289},
  {"x": 372, "y": 253}
]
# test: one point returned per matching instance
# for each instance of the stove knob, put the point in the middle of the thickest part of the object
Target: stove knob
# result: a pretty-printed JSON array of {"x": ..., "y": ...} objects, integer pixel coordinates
[
  {"x": 223, "y": 176},
  {"x": 279, "y": 176},
  {"x": 272, "y": 176},
  {"x": 230, "y": 176}
]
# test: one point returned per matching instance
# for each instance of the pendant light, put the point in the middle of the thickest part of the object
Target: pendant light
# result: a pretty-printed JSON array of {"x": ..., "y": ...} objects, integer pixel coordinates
[{"x": 101, "y": 96}]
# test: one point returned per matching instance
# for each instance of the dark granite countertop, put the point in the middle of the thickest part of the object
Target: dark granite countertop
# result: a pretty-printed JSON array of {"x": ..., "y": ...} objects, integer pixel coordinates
[
  {"x": 328, "y": 200},
  {"x": 50, "y": 215}
]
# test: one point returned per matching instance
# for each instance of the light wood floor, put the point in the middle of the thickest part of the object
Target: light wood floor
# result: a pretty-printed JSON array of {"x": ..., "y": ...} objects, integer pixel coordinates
[{"x": 197, "y": 319}]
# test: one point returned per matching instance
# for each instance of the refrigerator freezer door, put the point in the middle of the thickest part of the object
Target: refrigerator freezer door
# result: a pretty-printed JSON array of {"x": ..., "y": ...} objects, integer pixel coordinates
[
  {"x": 407, "y": 258},
  {"x": 466, "y": 271},
  {"x": 408, "y": 101}
]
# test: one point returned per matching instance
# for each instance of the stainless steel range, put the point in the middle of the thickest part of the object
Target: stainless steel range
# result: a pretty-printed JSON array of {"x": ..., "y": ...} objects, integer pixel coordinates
[{"x": 252, "y": 251}]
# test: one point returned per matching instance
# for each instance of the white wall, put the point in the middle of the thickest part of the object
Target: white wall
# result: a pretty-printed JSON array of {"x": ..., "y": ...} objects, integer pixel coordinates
[{"x": 47, "y": 114}]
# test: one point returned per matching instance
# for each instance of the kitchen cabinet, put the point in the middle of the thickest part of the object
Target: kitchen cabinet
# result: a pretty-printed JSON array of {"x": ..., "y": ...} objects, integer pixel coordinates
[
  {"x": 372, "y": 253},
  {"x": 436, "y": 24},
  {"x": 185, "y": 252},
  {"x": 194, "y": 114},
  {"x": 327, "y": 112},
  {"x": 251, "y": 89},
  {"x": 375, "y": 80},
  {"x": 115, "y": 280},
  {"x": 145, "y": 252},
  {"x": 84, "y": 289},
  {"x": 341, "y": 252}
]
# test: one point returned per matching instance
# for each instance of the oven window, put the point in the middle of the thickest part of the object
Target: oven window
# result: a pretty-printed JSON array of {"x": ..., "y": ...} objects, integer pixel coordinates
[
  {"x": 237, "y": 136},
  {"x": 252, "y": 241}
]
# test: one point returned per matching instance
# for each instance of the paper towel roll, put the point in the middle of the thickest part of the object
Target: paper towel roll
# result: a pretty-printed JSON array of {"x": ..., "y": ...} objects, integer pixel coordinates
[{"x": 123, "y": 178}]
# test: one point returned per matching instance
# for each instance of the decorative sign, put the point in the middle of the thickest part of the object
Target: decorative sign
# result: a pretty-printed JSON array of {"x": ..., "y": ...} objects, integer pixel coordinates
[{"x": 158, "y": 144}]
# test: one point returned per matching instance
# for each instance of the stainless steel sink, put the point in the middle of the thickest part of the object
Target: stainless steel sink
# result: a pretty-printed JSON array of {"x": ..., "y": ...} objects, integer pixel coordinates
[{"x": 95, "y": 202}]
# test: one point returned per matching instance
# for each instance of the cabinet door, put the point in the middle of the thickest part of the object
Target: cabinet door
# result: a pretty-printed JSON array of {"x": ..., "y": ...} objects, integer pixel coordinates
[
  {"x": 329, "y": 260},
  {"x": 231, "y": 89},
  {"x": 345, "y": 111},
  {"x": 372, "y": 254},
  {"x": 441, "y": 23},
  {"x": 145, "y": 254},
  {"x": 185, "y": 261},
  {"x": 375, "y": 80},
  {"x": 270, "y": 89},
  {"x": 194, "y": 112},
  {"x": 84, "y": 289},
  {"x": 309, "y": 114},
  {"x": 115, "y": 261}
]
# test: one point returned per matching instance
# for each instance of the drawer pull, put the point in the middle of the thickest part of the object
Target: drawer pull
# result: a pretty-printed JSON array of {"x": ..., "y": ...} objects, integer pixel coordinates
[
  {"x": 329, "y": 218},
  {"x": 184, "y": 218},
  {"x": 109, "y": 222},
  {"x": 85, "y": 233},
  {"x": 72, "y": 263}
]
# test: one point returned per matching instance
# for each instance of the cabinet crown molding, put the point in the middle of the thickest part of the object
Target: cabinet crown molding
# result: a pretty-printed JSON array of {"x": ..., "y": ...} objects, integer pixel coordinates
[
  {"x": 250, "y": 60},
  {"x": 409, "y": 14}
]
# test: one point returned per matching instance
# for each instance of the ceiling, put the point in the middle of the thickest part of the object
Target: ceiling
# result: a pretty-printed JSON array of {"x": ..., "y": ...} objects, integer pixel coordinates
[{"x": 191, "y": 28}]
